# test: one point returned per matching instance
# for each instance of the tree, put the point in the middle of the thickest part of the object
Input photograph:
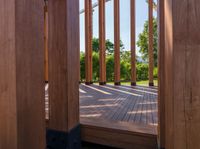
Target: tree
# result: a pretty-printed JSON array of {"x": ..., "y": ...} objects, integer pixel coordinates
[
  {"x": 109, "y": 46},
  {"x": 142, "y": 42}
]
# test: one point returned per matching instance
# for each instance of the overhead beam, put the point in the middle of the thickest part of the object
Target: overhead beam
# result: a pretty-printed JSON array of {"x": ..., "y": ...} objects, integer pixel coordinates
[
  {"x": 63, "y": 125},
  {"x": 133, "y": 52},
  {"x": 116, "y": 42},
  {"x": 150, "y": 45},
  {"x": 102, "y": 42},
  {"x": 22, "y": 121},
  {"x": 88, "y": 41}
]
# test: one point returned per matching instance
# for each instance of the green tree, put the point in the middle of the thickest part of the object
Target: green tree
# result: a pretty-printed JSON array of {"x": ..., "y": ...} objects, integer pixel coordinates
[
  {"x": 109, "y": 46},
  {"x": 82, "y": 66},
  {"x": 142, "y": 42}
]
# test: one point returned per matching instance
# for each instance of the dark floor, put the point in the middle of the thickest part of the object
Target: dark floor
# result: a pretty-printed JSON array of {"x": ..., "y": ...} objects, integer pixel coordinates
[
  {"x": 87, "y": 145},
  {"x": 119, "y": 103}
]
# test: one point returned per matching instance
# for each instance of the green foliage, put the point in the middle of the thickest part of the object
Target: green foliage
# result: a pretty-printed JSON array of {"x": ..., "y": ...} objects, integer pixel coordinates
[
  {"x": 109, "y": 46},
  {"x": 95, "y": 63},
  {"x": 142, "y": 71},
  {"x": 142, "y": 42},
  {"x": 125, "y": 68},
  {"x": 82, "y": 66},
  {"x": 110, "y": 67}
]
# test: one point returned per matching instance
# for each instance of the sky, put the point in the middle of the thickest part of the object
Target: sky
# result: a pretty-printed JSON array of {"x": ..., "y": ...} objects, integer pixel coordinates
[{"x": 141, "y": 17}]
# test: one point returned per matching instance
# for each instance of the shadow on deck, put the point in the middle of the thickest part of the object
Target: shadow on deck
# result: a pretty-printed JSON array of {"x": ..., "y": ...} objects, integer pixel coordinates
[{"x": 119, "y": 116}]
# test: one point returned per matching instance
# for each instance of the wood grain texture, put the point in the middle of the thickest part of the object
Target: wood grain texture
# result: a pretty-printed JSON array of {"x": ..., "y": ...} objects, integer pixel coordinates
[
  {"x": 63, "y": 64},
  {"x": 46, "y": 65},
  {"x": 161, "y": 73},
  {"x": 182, "y": 52},
  {"x": 120, "y": 135},
  {"x": 102, "y": 41},
  {"x": 150, "y": 45},
  {"x": 133, "y": 52},
  {"x": 116, "y": 41},
  {"x": 22, "y": 122},
  {"x": 88, "y": 40},
  {"x": 119, "y": 104}
]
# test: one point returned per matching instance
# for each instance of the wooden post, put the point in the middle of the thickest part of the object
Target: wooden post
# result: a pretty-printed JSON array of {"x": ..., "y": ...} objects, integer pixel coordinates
[
  {"x": 151, "y": 55},
  {"x": 182, "y": 74},
  {"x": 133, "y": 52},
  {"x": 117, "y": 41},
  {"x": 88, "y": 41},
  {"x": 22, "y": 118},
  {"x": 46, "y": 41},
  {"x": 161, "y": 75},
  {"x": 63, "y": 124},
  {"x": 102, "y": 42}
]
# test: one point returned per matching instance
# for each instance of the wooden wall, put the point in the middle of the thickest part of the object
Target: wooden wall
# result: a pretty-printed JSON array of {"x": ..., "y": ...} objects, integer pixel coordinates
[
  {"x": 22, "y": 118},
  {"x": 182, "y": 74}
]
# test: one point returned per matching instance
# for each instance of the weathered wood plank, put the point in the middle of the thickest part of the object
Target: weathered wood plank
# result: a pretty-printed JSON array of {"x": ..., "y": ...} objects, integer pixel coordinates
[
  {"x": 182, "y": 51},
  {"x": 121, "y": 134},
  {"x": 22, "y": 121}
]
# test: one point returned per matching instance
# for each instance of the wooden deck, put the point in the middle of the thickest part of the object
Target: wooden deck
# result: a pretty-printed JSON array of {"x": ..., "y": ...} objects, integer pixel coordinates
[
  {"x": 119, "y": 104},
  {"x": 117, "y": 116}
]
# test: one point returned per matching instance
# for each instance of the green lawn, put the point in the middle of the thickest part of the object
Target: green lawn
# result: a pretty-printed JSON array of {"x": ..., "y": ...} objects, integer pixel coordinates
[{"x": 142, "y": 83}]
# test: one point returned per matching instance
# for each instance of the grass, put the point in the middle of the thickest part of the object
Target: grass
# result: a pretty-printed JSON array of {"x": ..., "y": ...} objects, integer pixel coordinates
[{"x": 142, "y": 83}]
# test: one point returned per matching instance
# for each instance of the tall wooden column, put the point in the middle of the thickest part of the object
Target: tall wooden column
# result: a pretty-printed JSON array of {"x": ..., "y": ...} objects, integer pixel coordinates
[
  {"x": 22, "y": 118},
  {"x": 151, "y": 55},
  {"x": 182, "y": 74},
  {"x": 102, "y": 42},
  {"x": 64, "y": 74},
  {"x": 133, "y": 52},
  {"x": 46, "y": 41},
  {"x": 117, "y": 42},
  {"x": 88, "y": 41},
  {"x": 161, "y": 74}
]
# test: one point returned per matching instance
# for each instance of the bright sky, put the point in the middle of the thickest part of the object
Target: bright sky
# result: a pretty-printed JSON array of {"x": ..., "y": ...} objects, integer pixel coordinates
[{"x": 141, "y": 17}]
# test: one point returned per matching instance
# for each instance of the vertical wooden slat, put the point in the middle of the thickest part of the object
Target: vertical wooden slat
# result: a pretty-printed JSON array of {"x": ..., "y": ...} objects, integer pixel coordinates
[
  {"x": 88, "y": 41},
  {"x": 182, "y": 74},
  {"x": 133, "y": 52},
  {"x": 46, "y": 41},
  {"x": 151, "y": 55},
  {"x": 117, "y": 42},
  {"x": 22, "y": 121},
  {"x": 161, "y": 75},
  {"x": 102, "y": 42}
]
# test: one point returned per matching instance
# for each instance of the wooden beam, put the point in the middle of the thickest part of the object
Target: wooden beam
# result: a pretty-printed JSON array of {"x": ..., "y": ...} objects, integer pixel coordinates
[
  {"x": 64, "y": 74},
  {"x": 117, "y": 42},
  {"x": 88, "y": 41},
  {"x": 46, "y": 42},
  {"x": 133, "y": 52},
  {"x": 22, "y": 121},
  {"x": 118, "y": 134},
  {"x": 102, "y": 42},
  {"x": 161, "y": 75},
  {"x": 151, "y": 55},
  {"x": 182, "y": 74}
]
